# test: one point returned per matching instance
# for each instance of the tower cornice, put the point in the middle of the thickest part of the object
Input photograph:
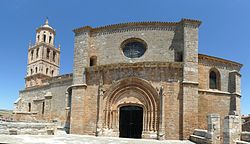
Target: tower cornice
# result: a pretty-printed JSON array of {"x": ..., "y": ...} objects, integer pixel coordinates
[
  {"x": 44, "y": 44},
  {"x": 46, "y": 28},
  {"x": 46, "y": 61}
]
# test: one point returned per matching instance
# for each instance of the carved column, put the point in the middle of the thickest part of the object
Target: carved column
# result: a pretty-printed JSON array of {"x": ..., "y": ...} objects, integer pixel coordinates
[
  {"x": 151, "y": 117},
  {"x": 99, "y": 113},
  {"x": 161, "y": 126},
  {"x": 148, "y": 121},
  {"x": 99, "y": 126},
  {"x": 67, "y": 112},
  {"x": 145, "y": 120}
]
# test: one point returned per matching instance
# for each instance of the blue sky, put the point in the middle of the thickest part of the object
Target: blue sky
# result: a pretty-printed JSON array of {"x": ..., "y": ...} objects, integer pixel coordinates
[{"x": 225, "y": 31}]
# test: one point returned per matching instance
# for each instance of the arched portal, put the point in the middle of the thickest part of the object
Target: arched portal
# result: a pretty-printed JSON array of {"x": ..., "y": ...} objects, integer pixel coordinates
[{"x": 134, "y": 93}]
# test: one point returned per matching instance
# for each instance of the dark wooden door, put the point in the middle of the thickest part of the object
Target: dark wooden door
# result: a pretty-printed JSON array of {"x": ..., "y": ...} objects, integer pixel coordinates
[{"x": 130, "y": 121}]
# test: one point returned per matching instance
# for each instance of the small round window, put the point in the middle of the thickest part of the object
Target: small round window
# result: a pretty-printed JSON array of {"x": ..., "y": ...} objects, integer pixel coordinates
[{"x": 134, "y": 48}]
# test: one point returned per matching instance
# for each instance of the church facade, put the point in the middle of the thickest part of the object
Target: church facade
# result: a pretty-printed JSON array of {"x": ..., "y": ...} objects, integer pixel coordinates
[{"x": 134, "y": 80}]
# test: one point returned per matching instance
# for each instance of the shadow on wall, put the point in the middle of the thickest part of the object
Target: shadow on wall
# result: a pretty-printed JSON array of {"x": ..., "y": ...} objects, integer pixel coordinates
[{"x": 177, "y": 45}]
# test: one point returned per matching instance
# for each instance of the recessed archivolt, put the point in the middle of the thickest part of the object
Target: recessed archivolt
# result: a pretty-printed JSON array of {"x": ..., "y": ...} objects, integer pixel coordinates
[
  {"x": 132, "y": 91},
  {"x": 142, "y": 87},
  {"x": 131, "y": 95}
]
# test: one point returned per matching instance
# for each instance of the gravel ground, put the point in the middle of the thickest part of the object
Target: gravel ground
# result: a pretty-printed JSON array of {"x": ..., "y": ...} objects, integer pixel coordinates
[{"x": 79, "y": 139}]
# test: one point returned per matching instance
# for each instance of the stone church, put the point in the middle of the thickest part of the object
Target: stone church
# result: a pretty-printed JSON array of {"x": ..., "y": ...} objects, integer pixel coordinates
[{"x": 133, "y": 80}]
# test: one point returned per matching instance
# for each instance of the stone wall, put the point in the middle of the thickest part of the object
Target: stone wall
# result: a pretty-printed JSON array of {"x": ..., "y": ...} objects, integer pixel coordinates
[
  {"x": 246, "y": 126},
  {"x": 246, "y": 123},
  {"x": 199, "y": 136},
  {"x": 211, "y": 135},
  {"x": 47, "y": 102},
  {"x": 245, "y": 136},
  {"x": 162, "y": 43},
  {"x": 108, "y": 46},
  {"x": 231, "y": 131},
  {"x": 23, "y": 128}
]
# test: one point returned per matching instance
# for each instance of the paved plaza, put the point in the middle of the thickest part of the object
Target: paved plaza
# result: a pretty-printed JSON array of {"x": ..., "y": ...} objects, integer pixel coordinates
[{"x": 79, "y": 139}]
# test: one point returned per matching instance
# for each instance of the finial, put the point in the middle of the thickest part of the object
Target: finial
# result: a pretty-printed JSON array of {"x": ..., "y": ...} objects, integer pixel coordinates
[{"x": 47, "y": 21}]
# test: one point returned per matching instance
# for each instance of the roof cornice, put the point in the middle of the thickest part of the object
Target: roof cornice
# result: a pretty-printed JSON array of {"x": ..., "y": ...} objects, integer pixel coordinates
[
  {"x": 212, "y": 58},
  {"x": 190, "y": 22},
  {"x": 194, "y": 23}
]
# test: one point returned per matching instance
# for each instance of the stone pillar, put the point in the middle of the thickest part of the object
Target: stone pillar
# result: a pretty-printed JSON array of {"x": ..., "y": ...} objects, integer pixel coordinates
[
  {"x": 232, "y": 129},
  {"x": 67, "y": 112},
  {"x": 234, "y": 80},
  {"x": 235, "y": 90},
  {"x": 81, "y": 57},
  {"x": 190, "y": 76},
  {"x": 48, "y": 107},
  {"x": 213, "y": 134},
  {"x": 77, "y": 110},
  {"x": 81, "y": 61}
]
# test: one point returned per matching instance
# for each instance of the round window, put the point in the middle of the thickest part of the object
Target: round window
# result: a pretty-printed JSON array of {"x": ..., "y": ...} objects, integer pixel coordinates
[{"x": 134, "y": 48}]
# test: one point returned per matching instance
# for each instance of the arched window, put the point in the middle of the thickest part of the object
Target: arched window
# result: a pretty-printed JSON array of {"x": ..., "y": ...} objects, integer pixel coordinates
[
  {"x": 43, "y": 106},
  {"x": 31, "y": 54},
  {"x": 54, "y": 56},
  {"x": 31, "y": 71},
  {"x": 214, "y": 79},
  {"x": 50, "y": 38},
  {"x": 93, "y": 61},
  {"x": 52, "y": 72},
  {"x": 37, "y": 52},
  {"x": 47, "y": 70},
  {"x": 38, "y": 37},
  {"x": 48, "y": 51},
  {"x": 36, "y": 69},
  {"x": 44, "y": 38},
  {"x": 29, "y": 105}
]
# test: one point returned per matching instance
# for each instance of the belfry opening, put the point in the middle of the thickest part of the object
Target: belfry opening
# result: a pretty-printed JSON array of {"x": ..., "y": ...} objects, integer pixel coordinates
[{"x": 131, "y": 121}]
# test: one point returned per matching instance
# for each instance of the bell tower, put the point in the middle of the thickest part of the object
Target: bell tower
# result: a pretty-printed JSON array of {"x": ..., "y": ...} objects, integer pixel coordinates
[{"x": 43, "y": 57}]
